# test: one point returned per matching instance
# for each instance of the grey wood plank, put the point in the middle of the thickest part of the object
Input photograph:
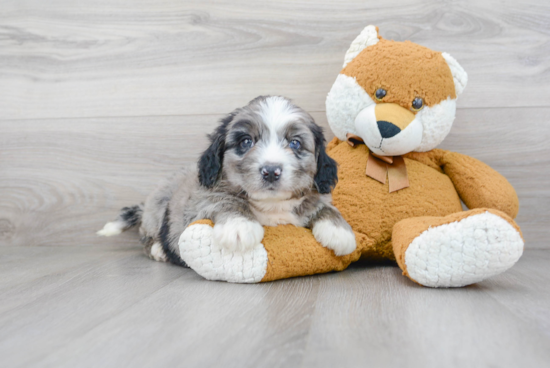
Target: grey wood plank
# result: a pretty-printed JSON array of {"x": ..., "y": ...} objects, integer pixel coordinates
[
  {"x": 62, "y": 179},
  {"x": 378, "y": 318},
  {"x": 28, "y": 265},
  {"x": 130, "y": 311},
  {"x": 524, "y": 290},
  {"x": 196, "y": 323},
  {"x": 44, "y": 315},
  {"x": 100, "y": 58}
]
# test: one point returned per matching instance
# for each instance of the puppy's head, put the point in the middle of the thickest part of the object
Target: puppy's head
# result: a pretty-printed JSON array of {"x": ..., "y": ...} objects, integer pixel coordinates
[{"x": 271, "y": 148}]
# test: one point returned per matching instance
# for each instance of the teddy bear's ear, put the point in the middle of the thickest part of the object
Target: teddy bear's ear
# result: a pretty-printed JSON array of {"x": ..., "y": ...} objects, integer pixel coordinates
[
  {"x": 368, "y": 37},
  {"x": 460, "y": 76}
]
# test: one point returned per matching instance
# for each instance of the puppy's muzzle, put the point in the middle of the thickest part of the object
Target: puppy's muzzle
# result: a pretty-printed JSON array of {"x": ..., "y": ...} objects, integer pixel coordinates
[{"x": 271, "y": 173}]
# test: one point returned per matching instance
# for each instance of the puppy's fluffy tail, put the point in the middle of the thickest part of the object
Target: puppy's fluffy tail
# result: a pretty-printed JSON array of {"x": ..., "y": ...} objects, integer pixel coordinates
[{"x": 127, "y": 219}]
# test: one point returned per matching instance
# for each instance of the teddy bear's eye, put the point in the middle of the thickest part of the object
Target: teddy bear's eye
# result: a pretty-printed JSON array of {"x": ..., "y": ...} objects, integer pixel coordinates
[
  {"x": 417, "y": 104},
  {"x": 380, "y": 93}
]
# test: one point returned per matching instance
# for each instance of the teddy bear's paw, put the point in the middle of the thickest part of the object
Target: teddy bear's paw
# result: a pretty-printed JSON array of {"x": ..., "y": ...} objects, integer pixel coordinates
[
  {"x": 340, "y": 239},
  {"x": 238, "y": 234},
  {"x": 213, "y": 261},
  {"x": 463, "y": 252}
]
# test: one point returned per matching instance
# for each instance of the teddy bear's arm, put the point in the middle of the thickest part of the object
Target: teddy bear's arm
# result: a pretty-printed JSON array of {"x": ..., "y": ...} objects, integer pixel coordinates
[
  {"x": 285, "y": 251},
  {"x": 479, "y": 185}
]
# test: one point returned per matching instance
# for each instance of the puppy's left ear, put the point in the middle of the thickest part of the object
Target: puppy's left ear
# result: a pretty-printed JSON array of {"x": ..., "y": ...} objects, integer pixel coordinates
[
  {"x": 327, "y": 169},
  {"x": 211, "y": 161}
]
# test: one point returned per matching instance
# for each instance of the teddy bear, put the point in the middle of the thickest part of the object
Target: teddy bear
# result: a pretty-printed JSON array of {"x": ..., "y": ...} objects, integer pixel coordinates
[{"x": 391, "y": 105}]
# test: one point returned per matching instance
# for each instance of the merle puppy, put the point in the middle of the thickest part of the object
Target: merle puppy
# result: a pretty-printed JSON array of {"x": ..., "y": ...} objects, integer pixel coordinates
[{"x": 266, "y": 165}]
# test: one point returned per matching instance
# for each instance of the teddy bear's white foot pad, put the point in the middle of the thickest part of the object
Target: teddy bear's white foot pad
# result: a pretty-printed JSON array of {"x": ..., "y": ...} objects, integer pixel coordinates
[
  {"x": 463, "y": 252},
  {"x": 213, "y": 262}
]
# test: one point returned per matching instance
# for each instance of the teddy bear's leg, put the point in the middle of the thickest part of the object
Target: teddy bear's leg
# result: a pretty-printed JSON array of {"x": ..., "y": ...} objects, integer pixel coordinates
[
  {"x": 286, "y": 251},
  {"x": 457, "y": 250}
]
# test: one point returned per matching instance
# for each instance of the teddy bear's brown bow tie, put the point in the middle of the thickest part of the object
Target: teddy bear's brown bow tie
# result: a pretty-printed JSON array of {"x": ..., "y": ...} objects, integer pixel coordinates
[{"x": 378, "y": 166}]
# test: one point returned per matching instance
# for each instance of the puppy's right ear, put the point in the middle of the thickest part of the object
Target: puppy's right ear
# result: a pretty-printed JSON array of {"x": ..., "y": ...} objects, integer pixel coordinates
[
  {"x": 327, "y": 169},
  {"x": 211, "y": 161}
]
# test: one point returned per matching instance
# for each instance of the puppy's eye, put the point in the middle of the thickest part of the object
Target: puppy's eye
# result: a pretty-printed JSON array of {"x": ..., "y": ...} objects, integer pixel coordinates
[
  {"x": 417, "y": 104},
  {"x": 380, "y": 93},
  {"x": 295, "y": 144},
  {"x": 247, "y": 143}
]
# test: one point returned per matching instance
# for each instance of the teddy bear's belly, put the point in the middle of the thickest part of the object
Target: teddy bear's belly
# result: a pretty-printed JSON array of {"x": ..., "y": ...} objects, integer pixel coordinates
[{"x": 370, "y": 209}]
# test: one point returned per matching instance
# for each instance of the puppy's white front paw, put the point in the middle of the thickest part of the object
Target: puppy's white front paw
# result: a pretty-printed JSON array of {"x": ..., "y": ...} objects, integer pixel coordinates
[
  {"x": 238, "y": 233},
  {"x": 340, "y": 239}
]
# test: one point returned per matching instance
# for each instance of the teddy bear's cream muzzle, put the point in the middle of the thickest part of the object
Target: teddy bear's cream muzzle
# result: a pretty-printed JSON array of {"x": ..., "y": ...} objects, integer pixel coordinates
[{"x": 389, "y": 129}]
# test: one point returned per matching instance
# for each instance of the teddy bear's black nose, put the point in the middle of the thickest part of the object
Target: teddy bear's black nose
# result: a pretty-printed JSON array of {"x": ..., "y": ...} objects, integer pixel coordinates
[{"x": 387, "y": 130}]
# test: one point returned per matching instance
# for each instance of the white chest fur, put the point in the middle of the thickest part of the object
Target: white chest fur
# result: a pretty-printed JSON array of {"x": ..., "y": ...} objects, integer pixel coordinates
[{"x": 277, "y": 212}]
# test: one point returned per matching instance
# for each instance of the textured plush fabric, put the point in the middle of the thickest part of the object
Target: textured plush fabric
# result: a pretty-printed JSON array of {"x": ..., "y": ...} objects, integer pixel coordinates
[
  {"x": 286, "y": 251},
  {"x": 371, "y": 210},
  {"x": 458, "y": 249},
  {"x": 423, "y": 226},
  {"x": 460, "y": 76},
  {"x": 368, "y": 37},
  {"x": 293, "y": 251},
  {"x": 478, "y": 185},
  {"x": 216, "y": 263},
  {"x": 344, "y": 102},
  {"x": 385, "y": 223},
  {"x": 422, "y": 72},
  {"x": 406, "y": 71}
]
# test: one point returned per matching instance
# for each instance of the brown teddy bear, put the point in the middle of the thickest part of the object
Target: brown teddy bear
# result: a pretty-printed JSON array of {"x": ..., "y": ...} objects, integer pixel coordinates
[{"x": 390, "y": 106}]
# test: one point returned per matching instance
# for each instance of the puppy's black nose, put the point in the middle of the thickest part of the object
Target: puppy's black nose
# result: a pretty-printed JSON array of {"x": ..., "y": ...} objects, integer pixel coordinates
[
  {"x": 387, "y": 130},
  {"x": 271, "y": 173}
]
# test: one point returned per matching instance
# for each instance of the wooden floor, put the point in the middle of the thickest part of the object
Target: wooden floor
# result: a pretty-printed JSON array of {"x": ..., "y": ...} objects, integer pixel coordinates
[
  {"x": 113, "y": 307},
  {"x": 100, "y": 99}
]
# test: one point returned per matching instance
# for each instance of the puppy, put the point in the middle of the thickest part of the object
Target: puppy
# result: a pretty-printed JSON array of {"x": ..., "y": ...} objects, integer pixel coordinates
[{"x": 266, "y": 165}]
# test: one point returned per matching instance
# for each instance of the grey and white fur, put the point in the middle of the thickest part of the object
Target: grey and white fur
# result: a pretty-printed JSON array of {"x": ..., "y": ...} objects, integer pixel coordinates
[{"x": 266, "y": 165}]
